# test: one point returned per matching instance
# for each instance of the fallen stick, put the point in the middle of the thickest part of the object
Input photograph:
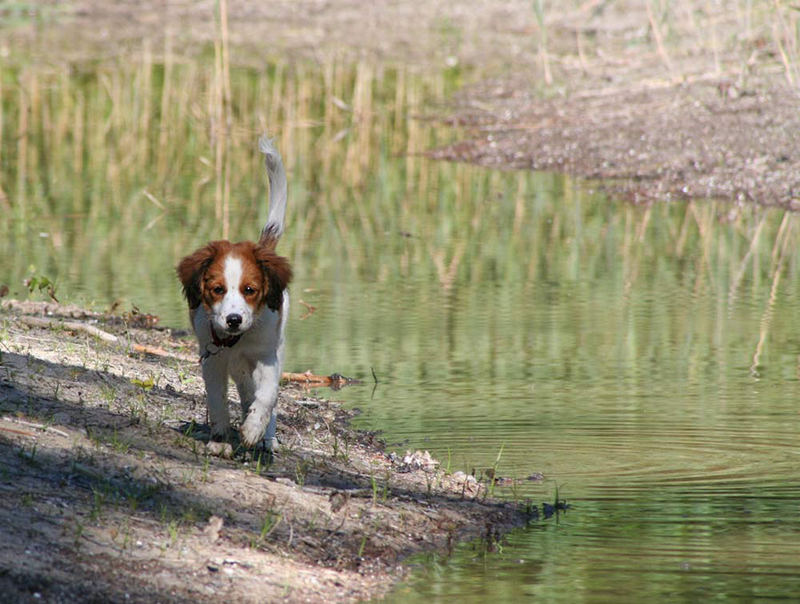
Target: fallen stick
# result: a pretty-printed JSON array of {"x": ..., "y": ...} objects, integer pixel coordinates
[
  {"x": 13, "y": 431},
  {"x": 70, "y": 325},
  {"x": 160, "y": 352},
  {"x": 42, "y": 427},
  {"x": 334, "y": 380}
]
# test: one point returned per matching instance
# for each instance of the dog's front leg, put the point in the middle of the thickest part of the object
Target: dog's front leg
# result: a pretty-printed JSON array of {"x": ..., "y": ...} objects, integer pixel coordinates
[
  {"x": 215, "y": 376},
  {"x": 261, "y": 417}
]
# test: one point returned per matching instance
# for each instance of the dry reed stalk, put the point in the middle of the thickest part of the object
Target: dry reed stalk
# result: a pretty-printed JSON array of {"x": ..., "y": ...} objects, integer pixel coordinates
[
  {"x": 22, "y": 148},
  {"x": 781, "y": 245},
  {"x": 62, "y": 122},
  {"x": 367, "y": 116},
  {"x": 361, "y": 116},
  {"x": 290, "y": 119},
  {"x": 399, "y": 112},
  {"x": 414, "y": 145},
  {"x": 275, "y": 104},
  {"x": 47, "y": 147},
  {"x": 784, "y": 34},
  {"x": 642, "y": 229},
  {"x": 217, "y": 130},
  {"x": 634, "y": 236},
  {"x": 544, "y": 56},
  {"x": 684, "y": 230},
  {"x": 705, "y": 223},
  {"x": 226, "y": 191},
  {"x": 145, "y": 91},
  {"x": 166, "y": 99},
  {"x": 737, "y": 279},
  {"x": 117, "y": 111},
  {"x": 329, "y": 120},
  {"x": 226, "y": 63},
  {"x": 520, "y": 200},
  {"x": 78, "y": 132},
  {"x": 2, "y": 94},
  {"x": 662, "y": 51},
  {"x": 3, "y": 195},
  {"x": 778, "y": 247},
  {"x": 447, "y": 272},
  {"x": 626, "y": 234},
  {"x": 226, "y": 115},
  {"x": 35, "y": 125},
  {"x": 581, "y": 52},
  {"x": 305, "y": 112}
]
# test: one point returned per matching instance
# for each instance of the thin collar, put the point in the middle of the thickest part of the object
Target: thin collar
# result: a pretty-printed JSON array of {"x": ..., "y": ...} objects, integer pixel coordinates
[{"x": 218, "y": 344}]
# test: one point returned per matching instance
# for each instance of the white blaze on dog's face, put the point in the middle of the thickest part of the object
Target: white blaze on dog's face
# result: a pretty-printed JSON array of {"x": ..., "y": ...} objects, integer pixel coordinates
[
  {"x": 234, "y": 282},
  {"x": 232, "y": 294}
]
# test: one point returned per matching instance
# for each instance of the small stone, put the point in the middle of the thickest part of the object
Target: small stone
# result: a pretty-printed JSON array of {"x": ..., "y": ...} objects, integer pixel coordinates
[
  {"x": 418, "y": 460},
  {"x": 338, "y": 499},
  {"x": 213, "y": 528},
  {"x": 217, "y": 449}
]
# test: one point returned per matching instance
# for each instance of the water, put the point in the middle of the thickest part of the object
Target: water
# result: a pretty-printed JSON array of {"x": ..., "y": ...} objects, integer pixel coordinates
[
  {"x": 645, "y": 360},
  {"x": 679, "y": 460}
]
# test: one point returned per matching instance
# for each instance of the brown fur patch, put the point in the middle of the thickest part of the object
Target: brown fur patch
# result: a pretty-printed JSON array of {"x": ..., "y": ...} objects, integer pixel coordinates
[
  {"x": 192, "y": 269},
  {"x": 264, "y": 274},
  {"x": 277, "y": 272}
]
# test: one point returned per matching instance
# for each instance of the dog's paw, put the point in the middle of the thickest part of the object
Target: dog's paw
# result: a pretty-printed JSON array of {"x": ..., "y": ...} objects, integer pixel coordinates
[
  {"x": 219, "y": 449},
  {"x": 253, "y": 431},
  {"x": 220, "y": 432}
]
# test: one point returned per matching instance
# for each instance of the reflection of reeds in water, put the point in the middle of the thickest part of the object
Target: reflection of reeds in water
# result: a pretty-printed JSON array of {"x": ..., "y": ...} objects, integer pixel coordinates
[
  {"x": 783, "y": 242},
  {"x": 150, "y": 157},
  {"x": 3, "y": 197},
  {"x": 117, "y": 145},
  {"x": 222, "y": 120}
]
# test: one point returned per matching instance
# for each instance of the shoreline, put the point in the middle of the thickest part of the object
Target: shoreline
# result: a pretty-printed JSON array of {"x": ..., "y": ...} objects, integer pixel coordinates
[{"x": 111, "y": 493}]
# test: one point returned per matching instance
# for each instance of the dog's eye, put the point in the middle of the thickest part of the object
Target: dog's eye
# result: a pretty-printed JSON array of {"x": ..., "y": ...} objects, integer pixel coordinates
[
  {"x": 249, "y": 291},
  {"x": 219, "y": 290}
]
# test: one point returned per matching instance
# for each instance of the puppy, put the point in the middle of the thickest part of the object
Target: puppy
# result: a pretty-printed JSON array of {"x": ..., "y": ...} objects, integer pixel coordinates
[{"x": 238, "y": 304}]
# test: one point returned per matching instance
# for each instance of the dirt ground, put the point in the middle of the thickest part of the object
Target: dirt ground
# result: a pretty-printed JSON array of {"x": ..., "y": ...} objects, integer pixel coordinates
[
  {"x": 109, "y": 492},
  {"x": 702, "y": 139}
]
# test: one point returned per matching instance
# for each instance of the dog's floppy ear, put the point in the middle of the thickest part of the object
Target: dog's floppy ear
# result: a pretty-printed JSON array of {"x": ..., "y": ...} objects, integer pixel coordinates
[
  {"x": 191, "y": 269},
  {"x": 277, "y": 275}
]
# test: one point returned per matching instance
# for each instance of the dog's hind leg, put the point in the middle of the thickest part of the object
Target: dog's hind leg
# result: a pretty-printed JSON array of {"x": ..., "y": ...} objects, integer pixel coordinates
[{"x": 270, "y": 438}]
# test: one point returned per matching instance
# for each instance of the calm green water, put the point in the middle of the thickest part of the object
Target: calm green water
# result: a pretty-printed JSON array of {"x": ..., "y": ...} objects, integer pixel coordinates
[{"x": 644, "y": 360}]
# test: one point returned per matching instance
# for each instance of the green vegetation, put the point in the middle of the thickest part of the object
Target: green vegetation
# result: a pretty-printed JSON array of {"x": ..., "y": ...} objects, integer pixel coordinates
[
  {"x": 109, "y": 158},
  {"x": 115, "y": 171}
]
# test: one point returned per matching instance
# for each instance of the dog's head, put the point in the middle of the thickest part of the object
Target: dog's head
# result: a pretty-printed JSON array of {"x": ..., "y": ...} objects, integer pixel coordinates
[{"x": 234, "y": 281}]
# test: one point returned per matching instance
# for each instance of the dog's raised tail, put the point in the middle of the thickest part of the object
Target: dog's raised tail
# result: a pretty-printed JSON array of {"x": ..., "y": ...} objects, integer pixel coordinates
[{"x": 273, "y": 230}]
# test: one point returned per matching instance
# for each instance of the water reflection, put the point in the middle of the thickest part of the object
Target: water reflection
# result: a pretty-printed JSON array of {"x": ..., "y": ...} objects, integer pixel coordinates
[{"x": 639, "y": 397}]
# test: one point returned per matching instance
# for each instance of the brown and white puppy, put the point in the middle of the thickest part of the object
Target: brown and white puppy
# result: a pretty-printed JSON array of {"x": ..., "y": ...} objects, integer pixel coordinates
[{"x": 238, "y": 304}]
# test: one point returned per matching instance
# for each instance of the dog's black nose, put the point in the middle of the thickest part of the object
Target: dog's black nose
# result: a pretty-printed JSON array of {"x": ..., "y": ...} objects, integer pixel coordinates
[{"x": 233, "y": 320}]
